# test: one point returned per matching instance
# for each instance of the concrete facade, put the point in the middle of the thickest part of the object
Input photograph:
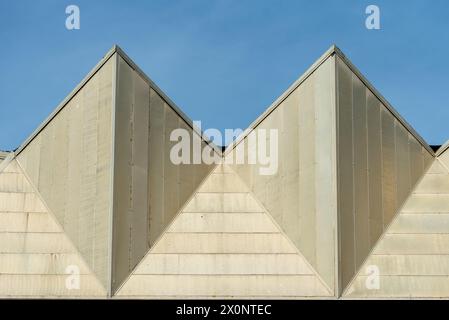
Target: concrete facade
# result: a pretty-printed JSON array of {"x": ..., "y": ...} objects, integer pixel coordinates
[{"x": 358, "y": 194}]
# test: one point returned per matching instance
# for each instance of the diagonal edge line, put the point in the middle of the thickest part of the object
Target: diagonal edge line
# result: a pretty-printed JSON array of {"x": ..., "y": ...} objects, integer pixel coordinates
[
  {"x": 110, "y": 243},
  {"x": 67, "y": 99},
  {"x": 384, "y": 101},
  {"x": 442, "y": 164},
  {"x": 50, "y": 212},
  {"x": 297, "y": 83},
  {"x": 330, "y": 291},
  {"x": 5, "y": 163},
  {"x": 150, "y": 250},
  {"x": 382, "y": 237},
  {"x": 167, "y": 100}
]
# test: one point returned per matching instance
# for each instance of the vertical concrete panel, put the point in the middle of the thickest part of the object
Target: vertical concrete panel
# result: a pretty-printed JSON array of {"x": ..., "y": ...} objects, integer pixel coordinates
[
  {"x": 272, "y": 183},
  {"x": 156, "y": 169},
  {"x": 103, "y": 203},
  {"x": 325, "y": 171},
  {"x": 374, "y": 170},
  {"x": 187, "y": 171},
  {"x": 45, "y": 171},
  {"x": 69, "y": 163},
  {"x": 171, "y": 170},
  {"x": 86, "y": 218},
  {"x": 289, "y": 159},
  {"x": 301, "y": 196},
  {"x": 124, "y": 118},
  {"x": 307, "y": 183},
  {"x": 131, "y": 172},
  {"x": 429, "y": 158},
  {"x": 402, "y": 164},
  {"x": 345, "y": 174},
  {"x": 389, "y": 185},
  {"x": 139, "y": 197},
  {"x": 380, "y": 143},
  {"x": 58, "y": 188},
  {"x": 416, "y": 160},
  {"x": 361, "y": 202}
]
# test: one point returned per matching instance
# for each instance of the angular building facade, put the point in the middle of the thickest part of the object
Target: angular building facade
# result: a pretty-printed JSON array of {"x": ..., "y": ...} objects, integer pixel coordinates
[{"x": 91, "y": 206}]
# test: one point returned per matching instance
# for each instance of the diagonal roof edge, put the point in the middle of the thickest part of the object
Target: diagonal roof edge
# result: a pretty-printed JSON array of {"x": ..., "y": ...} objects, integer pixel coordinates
[
  {"x": 64, "y": 102},
  {"x": 169, "y": 102},
  {"x": 330, "y": 52},
  {"x": 333, "y": 50},
  {"x": 384, "y": 101},
  {"x": 92, "y": 72},
  {"x": 442, "y": 149}
]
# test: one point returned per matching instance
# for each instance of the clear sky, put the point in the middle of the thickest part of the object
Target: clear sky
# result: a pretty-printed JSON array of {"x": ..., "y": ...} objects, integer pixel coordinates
[{"x": 223, "y": 62}]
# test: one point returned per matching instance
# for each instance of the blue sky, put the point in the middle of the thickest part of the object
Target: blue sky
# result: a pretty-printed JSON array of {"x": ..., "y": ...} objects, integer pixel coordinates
[{"x": 223, "y": 62}]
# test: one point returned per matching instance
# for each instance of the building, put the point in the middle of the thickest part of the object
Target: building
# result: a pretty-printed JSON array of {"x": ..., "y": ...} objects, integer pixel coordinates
[{"x": 92, "y": 207}]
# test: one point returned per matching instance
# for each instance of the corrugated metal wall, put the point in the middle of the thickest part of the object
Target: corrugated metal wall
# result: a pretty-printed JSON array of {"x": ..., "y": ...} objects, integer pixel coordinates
[
  {"x": 69, "y": 162},
  {"x": 148, "y": 188},
  {"x": 301, "y": 196},
  {"x": 379, "y": 162}
]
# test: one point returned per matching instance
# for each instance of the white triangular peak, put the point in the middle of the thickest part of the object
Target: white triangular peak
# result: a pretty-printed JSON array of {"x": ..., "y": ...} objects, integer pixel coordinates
[
  {"x": 223, "y": 244},
  {"x": 36, "y": 257}
]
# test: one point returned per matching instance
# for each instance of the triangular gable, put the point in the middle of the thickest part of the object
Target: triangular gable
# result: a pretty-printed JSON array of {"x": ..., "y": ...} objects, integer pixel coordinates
[
  {"x": 223, "y": 244},
  {"x": 36, "y": 257}
]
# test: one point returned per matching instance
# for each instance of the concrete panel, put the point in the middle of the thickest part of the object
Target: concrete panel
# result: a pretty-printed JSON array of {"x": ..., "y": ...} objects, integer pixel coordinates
[
  {"x": 130, "y": 172},
  {"x": 326, "y": 172},
  {"x": 306, "y": 239},
  {"x": 221, "y": 254},
  {"x": 230, "y": 222},
  {"x": 402, "y": 164},
  {"x": 433, "y": 183},
  {"x": 444, "y": 158},
  {"x": 427, "y": 203},
  {"x": 156, "y": 169},
  {"x": 47, "y": 286},
  {"x": 345, "y": 172},
  {"x": 69, "y": 163},
  {"x": 40, "y": 263},
  {"x": 27, "y": 222},
  {"x": 421, "y": 223},
  {"x": 436, "y": 168},
  {"x": 224, "y": 264},
  {"x": 394, "y": 156},
  {"x": 417, "y": 166},
  {"x": 411, "y": 265},
  {"x": 404, "y": 287},
  {"x": 35, "y": 254},
  {"x": 375, "y": 156},
  {"x": 412, "y": 257},
  {"x": 149, "y": 189},
  {"x": 365, "y": 125},
  {"x": 301, "y": 195},
  {"x": 223, "y": 286},
  {"x": 389, "y": 185}
]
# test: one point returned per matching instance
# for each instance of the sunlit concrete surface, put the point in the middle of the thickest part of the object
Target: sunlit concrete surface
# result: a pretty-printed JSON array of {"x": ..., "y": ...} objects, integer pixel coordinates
[{"x": 92, "y": 207}]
